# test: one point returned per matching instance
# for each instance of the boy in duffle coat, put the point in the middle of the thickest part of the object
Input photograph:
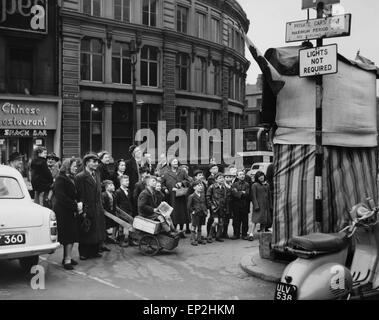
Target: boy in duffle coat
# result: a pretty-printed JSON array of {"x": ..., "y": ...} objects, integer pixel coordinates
[
  {"x": 217, "y": 204},
  {"x": 197, "y": 208}
]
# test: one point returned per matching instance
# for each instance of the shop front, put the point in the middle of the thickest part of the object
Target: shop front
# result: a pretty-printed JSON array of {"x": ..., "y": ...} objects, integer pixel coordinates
[{"x": 26, "y": 123}]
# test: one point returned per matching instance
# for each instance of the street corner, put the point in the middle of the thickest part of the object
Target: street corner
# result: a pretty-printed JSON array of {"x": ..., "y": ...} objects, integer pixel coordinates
[{"x": 263, "y": 269}]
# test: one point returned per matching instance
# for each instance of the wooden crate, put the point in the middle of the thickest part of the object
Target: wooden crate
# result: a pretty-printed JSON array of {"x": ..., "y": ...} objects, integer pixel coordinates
[
  {"x": 146, "y": 225},
  {"x": 265, "y": 249}
]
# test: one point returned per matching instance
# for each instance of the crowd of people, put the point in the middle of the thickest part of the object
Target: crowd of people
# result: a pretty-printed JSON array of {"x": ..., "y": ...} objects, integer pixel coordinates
[{"x": 81, "y": 190}]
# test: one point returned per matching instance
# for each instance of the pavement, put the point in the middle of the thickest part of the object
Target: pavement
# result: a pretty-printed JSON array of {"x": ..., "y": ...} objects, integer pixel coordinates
[
  {"x": 263, "y": 269},
  {"x": 207, "y": 272}
]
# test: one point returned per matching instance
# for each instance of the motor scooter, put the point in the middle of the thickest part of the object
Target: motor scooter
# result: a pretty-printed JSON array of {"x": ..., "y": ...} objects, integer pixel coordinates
[{"x": 344, "y": 265}]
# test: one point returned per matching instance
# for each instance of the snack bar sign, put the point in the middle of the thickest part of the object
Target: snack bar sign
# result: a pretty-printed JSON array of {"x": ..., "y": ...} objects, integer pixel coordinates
[
  {"x": 318, "y": 61},
  {"x": 24, "y": 15}
]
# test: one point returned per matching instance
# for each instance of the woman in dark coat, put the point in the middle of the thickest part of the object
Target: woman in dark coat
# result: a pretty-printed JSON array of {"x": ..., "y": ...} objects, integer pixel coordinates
[
  {"x": 89, "y": 192},
  {"x": 261, "y": 198},
  {"x": 66, "y": 208},
  {"x": 173, "y": 180}
]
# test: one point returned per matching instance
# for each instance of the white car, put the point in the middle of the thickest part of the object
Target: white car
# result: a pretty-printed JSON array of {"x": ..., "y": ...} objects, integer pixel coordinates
[
  {"x": 259, "y": 166},
  {"x": 27, "y": 230}
]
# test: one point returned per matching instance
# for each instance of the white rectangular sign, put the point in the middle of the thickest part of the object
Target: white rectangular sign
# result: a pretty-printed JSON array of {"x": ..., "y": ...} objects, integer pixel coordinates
[
  {"x": 318, "y": 61},
  {"x": 331, "y": 27}
]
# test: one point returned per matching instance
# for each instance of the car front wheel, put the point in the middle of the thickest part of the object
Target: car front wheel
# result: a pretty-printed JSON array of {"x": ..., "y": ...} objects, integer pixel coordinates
[{"x": 28, "y": 262}]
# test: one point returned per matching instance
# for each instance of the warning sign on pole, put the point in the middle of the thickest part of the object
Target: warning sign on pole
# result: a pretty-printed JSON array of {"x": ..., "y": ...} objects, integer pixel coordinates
[{"x": 318, "y": 61}]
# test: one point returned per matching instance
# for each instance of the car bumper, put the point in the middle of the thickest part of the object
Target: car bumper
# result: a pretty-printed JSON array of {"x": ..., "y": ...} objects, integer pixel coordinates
[{"x": 15, "y": 253}]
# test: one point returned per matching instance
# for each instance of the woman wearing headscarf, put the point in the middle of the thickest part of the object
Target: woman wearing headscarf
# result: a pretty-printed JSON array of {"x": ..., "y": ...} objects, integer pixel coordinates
[
  {"x": 261, "y": 198},
  {"x": 66, "y": 208},
  {"x": 173, "y": 180}
]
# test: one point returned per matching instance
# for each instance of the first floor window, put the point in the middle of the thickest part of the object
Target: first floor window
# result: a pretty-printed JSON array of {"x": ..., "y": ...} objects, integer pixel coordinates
[
  {"x": 182, "y": 71},
  {"x": 122, "y": 10},
  {"x": 121, "y": 63},
  {"x": 201, "y": 25},
  {"x": 92, "y": 7},
  {"x": 149, "y": 13},
  {"x": 91, "y": 60},
  {"x": 200, "y": 75},
  {"x": 181, "y": 19},
  {"x": 20, "y": 70},
  {"x": 91, "y": 127},
  {"x": 149, "y": 66},
  {"x": 216, "y": 30},
  {"x": 215, "y": 81}
]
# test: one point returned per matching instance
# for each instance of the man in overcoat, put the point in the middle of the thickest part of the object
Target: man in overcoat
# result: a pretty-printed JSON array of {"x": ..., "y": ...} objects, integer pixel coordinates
[{"x": 89, "y": 192}]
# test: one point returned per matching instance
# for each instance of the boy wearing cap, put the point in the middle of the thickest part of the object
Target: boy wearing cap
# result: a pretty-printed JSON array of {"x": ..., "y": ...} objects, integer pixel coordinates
[
  {"x": 197, "y": 208},
  {"x": 229, "y": 178},
  {"x": 216, "y": 203},
  {"x": 213, "y": 169},
  {"x": 109, "y": 204}
]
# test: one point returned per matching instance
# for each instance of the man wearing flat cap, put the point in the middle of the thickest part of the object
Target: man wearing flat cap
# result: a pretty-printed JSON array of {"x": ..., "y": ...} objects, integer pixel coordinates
[{"x": 89, "y": 192}]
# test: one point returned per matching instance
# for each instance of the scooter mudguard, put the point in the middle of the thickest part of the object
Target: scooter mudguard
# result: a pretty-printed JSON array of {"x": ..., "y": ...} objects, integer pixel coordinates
[{"x": 322, "y": 278}]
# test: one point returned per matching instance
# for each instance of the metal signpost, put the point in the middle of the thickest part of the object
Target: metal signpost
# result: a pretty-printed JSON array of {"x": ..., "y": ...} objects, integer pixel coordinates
[{"x": 316, "y": 62}]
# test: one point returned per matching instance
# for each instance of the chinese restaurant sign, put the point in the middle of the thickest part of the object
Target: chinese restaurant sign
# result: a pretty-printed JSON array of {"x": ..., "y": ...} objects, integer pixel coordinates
[
  {"x": 28, "y": 115},
  {"x": 24, "y": 15}
]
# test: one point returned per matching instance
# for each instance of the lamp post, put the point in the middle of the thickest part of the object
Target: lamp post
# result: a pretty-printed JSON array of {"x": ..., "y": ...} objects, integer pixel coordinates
[{"x": 134, "y": 49}]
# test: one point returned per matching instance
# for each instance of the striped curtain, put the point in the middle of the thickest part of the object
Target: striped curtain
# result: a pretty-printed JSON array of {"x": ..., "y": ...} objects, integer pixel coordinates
[{"x": 349, "y": 177}]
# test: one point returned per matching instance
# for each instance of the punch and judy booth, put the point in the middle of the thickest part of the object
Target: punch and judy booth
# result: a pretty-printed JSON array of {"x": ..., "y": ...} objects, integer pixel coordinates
[{"x": 350, "y": 131}]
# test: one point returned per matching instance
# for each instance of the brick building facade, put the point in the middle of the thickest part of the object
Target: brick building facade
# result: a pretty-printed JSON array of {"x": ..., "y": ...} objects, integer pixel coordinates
[{"x": 190, "y": 69}]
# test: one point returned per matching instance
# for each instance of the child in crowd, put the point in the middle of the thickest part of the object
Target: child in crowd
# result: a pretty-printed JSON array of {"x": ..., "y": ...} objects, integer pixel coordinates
[
  {"x": 158, "y": 191},
  {"x": 241, "y": 195},
  {"x": 139, "y": 187},
  {"x": 216, "y": 202},
  {"x": 109, "y": 204},
  {"x": 213, "y": 169},
  {"x": 197, "y": 208},
  {"x": 230, "y": 176}
]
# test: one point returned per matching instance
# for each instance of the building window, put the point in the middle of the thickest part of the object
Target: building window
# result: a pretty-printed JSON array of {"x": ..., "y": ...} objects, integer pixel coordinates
[
  {"x": 200, "y": 25},
  {"x": 231, "y": 122},
  {"x": 121, "y": 63},
  {"x": 149, "y": 13},
  {"x": 91, "y": 127},
  {"x": 237, "y": 121},
  {"x": 215, "y": 81},
  {"x": 215, "y": 30},
  {"x": 150, "y": 117},
  {"x": 92, "y": 7},
  {"x": 201, "y": 75},
  {"x": 230, "y": 35},
  {"x": 215, "y": 119},
  {"x": 200, "y": 117},
  {"x": 122, "y": 10},
  {"x": 91, "y": 60},
  {"x": 231, "y": 83},
  {"x": 181, "y": 117},
  {"x": 122, "y": 126},
  {"x": 20, "y": 71},
  {"x": 181, "y": 19},
  {"x": 149, "y": 66},
  {"x": 182, "y": 71}
]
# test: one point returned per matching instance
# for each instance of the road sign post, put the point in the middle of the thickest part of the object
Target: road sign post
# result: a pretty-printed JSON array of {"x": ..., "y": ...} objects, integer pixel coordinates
[{"x": 319, "y": 151}]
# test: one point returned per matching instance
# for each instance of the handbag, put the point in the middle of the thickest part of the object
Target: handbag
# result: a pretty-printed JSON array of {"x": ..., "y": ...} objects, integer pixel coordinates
[
  {"x": 85, "y": 224},
  {"x": 181, "y": 192}
]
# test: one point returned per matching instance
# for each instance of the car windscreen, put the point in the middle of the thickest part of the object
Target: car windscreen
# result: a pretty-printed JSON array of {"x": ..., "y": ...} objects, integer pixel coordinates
[
  {"x": 255, "y": 167},
  {"x": 10, "y": 188}
]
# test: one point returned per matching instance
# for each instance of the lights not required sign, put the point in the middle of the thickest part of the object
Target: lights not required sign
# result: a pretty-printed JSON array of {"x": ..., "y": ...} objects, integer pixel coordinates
[{"x": 318, "y": 61}]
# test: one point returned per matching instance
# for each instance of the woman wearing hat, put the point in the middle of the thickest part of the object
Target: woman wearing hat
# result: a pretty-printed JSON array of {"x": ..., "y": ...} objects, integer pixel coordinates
[
  {"x": 52, "y": 163},
  {"x": 67, "y": 208},
  {"x": 103, "y": 167},
  {"x": 175, "y": 179}
]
